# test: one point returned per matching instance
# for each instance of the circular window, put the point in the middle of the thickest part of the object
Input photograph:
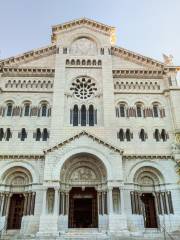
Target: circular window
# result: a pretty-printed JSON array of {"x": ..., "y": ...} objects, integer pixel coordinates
[{"x": 83, "y": 88}]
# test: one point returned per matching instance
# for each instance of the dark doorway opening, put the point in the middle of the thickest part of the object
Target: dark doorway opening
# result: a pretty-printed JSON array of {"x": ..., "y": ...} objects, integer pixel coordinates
[
  {"x": 83, "y": 208},
  {"x": 15, "y": 211},
  {"x": 150, "y": 217}
]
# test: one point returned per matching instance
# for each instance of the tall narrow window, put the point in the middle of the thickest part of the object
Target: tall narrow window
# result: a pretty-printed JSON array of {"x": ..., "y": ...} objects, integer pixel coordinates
[
  {"x": 9, "y": 110},
  {"x": 139, "y": 110},
  {"x": 116, "y": 200},
  {"x": 23, "y": 134},
  {"x": 83, "y": 115},
  {"x": 38, "y": 134},
  {"x": 164, "y": 135},
  {"x": 142, "y": 135},
  {"x": 122, "y": 110},
  {"x": 155, "y": 111},
  {"x": 26, "y": 109},
  {"x": 128, "y": 135},
  {"x": 1, "y": 134},
  {"x": 75, "y": 115},
  {"x": 91, "y": 115},
  {"x": 8, "y": 134},
  {"x": 157, "y": 135},
  {"x": 44, "y": 110},
  {"x": 45, "y": 134},
  {"x": 121, "y": 135}
]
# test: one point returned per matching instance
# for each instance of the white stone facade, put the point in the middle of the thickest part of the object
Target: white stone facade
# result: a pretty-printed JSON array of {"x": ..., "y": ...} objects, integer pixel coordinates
[{"x": 121, "y": 139}]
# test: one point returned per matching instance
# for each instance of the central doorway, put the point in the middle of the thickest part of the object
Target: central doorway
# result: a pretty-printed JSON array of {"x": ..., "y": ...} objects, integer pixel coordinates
[
  {"x": 150, "y": 217},
  {"x": 83, "y": 208},
  {"x": 15, "y": 211}
]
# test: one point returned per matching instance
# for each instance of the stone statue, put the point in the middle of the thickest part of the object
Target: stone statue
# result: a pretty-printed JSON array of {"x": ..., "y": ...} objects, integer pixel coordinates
[{"x": 168, "y": 59}]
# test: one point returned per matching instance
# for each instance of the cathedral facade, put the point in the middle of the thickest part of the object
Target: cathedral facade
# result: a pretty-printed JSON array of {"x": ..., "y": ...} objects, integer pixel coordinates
[{"x": 89, "y": 137}]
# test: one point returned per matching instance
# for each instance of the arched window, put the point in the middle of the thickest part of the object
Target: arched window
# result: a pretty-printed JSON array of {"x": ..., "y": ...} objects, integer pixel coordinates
[
  {"x": 139, "y": 110},
  {"x": 26, "y": 109},
  {"x": 164, "y": 135},
  {"x": 155, "y": 110},
  {"x": 75, "y": 115},
  {"x": 142, "y": 135},
  {"x": 1, "y": 134},
  {"x": 23, "y": 134},
  {"x": 9, "y": 109},
  {"x": 157, "y": 135},
  {"x": 44, "y": 110},
  {"x": 83, "y": 115},
  {"x": 121, "y": 135},
  {"x": 8, "y": 134},
  {"x": 128, "y": 135},
  {"x": 122, "y": 110},
  {"x": 45, "y": 134},
  {"x": 91, "y": 115},
  {"x": 38, "y": 134}
]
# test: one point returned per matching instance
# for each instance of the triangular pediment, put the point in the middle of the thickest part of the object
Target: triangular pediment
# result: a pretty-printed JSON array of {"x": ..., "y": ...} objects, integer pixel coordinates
[
  {"x": 41, "y": 57},
  {"x": 79, "y": 135},
  {"x": 125, "y": 59},
  {"x": 103, "y": 28}
]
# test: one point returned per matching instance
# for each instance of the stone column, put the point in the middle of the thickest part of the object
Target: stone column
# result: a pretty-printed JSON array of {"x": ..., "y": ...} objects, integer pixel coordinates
[
  {"x": 25, "y": 204},
  {"x": 2, "y": 203},
  {"x": 110, "y": 201},
  {"x": 122, "y": 200},
  {"x": 67, "y": 203},
  {"x": 56, "y": 202},
  {"x": 44, "y": 201}
]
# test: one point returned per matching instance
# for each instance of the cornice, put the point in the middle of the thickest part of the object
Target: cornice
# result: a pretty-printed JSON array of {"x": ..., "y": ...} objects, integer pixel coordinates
[
  {"x": 21, "y": 156},
  {"x": 135, "y": 57},
  {"x": 138, "y": 73},
  {"x": 146, "y": 156},
  {"x": 108, "y": 30},
  {"x": 82, "y": 133},
  {"x": 27, "y": 71},
  {"x": 29, "y": 56}
]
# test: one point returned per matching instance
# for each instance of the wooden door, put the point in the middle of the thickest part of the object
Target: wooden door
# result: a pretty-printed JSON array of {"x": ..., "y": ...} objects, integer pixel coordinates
[
  {"x": 15, "y": 211},
  {"x": 150, "y": 210}
]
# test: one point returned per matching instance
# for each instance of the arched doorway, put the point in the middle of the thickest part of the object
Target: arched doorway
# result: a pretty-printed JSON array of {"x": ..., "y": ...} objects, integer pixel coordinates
[
  {"x": 15, "y": 211},
  {"x": 82, "y": 175},
  {"x": 147, "y": 180},
  {"x": 18, "y": 198}
]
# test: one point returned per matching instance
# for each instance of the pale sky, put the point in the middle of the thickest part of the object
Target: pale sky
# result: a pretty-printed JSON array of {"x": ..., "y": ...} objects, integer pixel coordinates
[{"x": 149, "y": 27}]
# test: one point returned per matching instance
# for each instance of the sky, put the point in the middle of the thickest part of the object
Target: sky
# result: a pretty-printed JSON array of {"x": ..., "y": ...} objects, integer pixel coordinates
[{"x": 148, "y": 27}]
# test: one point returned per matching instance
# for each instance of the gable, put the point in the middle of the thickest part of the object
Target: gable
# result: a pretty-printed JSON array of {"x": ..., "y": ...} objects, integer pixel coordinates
[
  {"x": 81, "y": 135},
  {"x": 121, "y": 63}
]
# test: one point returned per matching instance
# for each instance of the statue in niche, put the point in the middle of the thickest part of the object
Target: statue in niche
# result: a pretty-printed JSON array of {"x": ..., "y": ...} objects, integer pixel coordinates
[
  {"x": 83, "y": 173},
  {"x": 83, "y": 46},
  {"x": 50, "y": 201}
]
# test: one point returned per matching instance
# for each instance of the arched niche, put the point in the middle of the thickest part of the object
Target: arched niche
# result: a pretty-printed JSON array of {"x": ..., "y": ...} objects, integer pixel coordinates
[
  {"x": 17, "y": 179},
  {"x": 83, "y": 170},
  {"x": 83, "y": 45}
]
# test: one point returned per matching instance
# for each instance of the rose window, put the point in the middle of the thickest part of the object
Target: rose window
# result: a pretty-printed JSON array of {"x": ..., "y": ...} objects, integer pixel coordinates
[{"x": 84, "y": 88}]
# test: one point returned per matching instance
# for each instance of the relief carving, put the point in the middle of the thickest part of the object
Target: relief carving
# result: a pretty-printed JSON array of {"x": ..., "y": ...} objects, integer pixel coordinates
[
  {"x": 83, "y": 46},
  {"x": 83, "y": 173}
]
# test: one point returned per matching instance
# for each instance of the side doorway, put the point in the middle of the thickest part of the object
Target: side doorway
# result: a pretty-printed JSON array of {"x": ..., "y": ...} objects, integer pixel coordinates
[{"x": 15, "y": 211}]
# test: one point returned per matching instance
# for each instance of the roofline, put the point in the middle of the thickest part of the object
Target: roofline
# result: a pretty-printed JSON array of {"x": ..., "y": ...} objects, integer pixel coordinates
[{"x": 83, "y": 19}]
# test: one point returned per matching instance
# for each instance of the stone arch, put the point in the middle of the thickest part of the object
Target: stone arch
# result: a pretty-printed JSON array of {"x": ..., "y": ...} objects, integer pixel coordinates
[
  {"x": 83, "y": 169},
  {"x": 153, "y": 170},
  {"x": 79, "y": 151},
  {"x": 20, "y": 165},
  {"x": 17, "y": 176}
]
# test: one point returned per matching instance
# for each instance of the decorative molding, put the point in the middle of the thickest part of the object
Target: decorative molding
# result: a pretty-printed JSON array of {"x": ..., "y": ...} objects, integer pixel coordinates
[
  {"x": 143, "y": 156},
  {"x": 27, "y": 71},
  {"x": 135, "y": 57},
  {"x": 137, "y": 73},
  {"x": 21, "y": 156},
  {"x": 29, "y": 56},
  {"x": 108, "y": 30},
  {"x": 84, "y": 133}
]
